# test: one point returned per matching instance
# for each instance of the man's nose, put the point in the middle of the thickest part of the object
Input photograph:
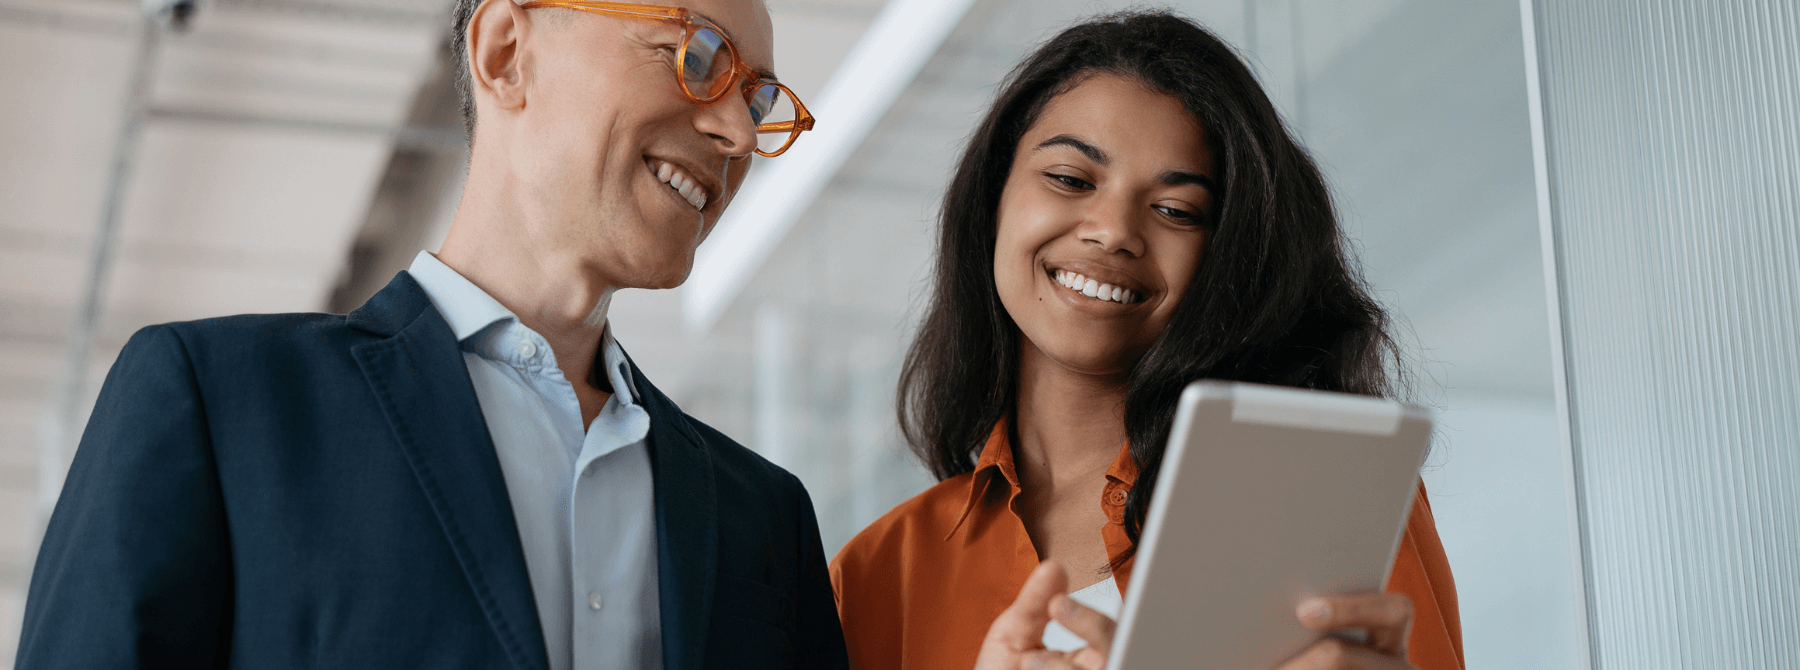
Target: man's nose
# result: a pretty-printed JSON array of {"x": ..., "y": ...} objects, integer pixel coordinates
[{"x": 727, "y": 123}]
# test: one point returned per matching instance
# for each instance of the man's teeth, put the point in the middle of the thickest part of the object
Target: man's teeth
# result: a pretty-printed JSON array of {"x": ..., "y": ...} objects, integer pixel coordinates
[
  {"x": 1094, "y": 289},
  {"x": 682, "y": 183}
]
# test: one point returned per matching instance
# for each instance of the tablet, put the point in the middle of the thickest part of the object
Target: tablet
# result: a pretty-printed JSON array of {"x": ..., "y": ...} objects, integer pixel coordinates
[{"x": 1267, "y": 496}]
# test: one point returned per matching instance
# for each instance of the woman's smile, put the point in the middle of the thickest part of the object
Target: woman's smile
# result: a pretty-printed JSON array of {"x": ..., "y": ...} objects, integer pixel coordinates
[{"x": 1097, "y": 284}]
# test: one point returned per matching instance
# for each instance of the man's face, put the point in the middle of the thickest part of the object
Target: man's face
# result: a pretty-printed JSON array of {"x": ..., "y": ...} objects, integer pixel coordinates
[{"x": 628, "y": 176}]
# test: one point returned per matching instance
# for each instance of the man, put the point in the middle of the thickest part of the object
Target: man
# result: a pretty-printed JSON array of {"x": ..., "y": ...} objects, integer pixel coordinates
[{"x": 466, "y": 472}]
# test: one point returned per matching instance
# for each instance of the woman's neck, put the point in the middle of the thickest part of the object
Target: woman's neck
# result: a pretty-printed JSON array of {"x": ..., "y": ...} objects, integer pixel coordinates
[{"x": 1070, "y": 426}]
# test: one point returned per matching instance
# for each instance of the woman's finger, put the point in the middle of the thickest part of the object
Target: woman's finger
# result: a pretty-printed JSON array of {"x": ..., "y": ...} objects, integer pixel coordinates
[
  {"x": 1387, "y": 617},
  {"x": 1087, "y": 658},
  {"x": 1044, "y": 659},
  {"x": 1092, "y": 626},
  {"x": 1020, "y": 628},
  {"x": 1030, "y": 611},
  {"x": 1335, "y": 654}
]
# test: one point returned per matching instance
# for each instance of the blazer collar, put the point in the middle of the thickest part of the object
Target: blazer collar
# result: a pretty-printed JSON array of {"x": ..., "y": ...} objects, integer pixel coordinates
[
  {"x": 419, "y": 379},
  {"x": 392, "y": 308},
  {"x": 687, "y": 526}
]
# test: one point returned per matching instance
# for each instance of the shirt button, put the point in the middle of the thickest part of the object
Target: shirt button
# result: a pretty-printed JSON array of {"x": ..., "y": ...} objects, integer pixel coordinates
[
  {"x": 593, "y": 601},
  {"x": 527, "y": 349},
  {"x": 1115, "y": 497}
]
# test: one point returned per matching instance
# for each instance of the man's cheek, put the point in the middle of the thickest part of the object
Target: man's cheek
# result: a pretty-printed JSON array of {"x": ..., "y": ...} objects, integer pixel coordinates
[{"x": 735, "y": 171}]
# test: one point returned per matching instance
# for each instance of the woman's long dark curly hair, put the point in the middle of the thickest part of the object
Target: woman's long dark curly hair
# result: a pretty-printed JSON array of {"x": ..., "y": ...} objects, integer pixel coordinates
[{"x": 1275, "y": 299}]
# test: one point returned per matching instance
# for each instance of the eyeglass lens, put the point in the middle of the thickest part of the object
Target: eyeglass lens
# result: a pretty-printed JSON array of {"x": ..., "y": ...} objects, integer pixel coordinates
[
  {"x": 706, "y": 67},
  {"x": 706, "y": 71},
  {"x": 773, "y": 111}
]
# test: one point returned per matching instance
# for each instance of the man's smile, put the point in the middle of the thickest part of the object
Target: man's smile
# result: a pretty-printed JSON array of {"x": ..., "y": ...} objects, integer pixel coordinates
[{"x": 680, "y": 180}]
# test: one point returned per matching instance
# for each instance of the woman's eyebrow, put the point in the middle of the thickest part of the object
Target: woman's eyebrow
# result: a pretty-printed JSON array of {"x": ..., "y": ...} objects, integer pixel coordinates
[
  {"x": 1092, "y": 152},
  {"x": 1179, "y": 178}
]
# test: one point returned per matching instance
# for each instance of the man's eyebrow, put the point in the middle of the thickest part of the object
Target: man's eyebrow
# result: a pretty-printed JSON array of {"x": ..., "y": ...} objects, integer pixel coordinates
[
  {"x": 1092, "y": 152},
  {"x": 766, "y": 75},
  {"x": 1179, "y": 178}
]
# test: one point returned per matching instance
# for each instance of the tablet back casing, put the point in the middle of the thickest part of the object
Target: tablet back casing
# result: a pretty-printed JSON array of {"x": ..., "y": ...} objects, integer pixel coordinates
[{"x": 1267, "y": 496}]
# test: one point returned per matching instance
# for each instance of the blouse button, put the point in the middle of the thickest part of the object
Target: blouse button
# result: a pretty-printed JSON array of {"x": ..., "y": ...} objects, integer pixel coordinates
[{"x": 1115, "y": 497}]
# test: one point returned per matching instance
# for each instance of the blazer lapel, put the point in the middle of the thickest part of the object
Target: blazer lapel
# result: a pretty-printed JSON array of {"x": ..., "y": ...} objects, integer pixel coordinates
[
  {"x": 687, "y": 530},
  {"x": 419, "y": 377}
]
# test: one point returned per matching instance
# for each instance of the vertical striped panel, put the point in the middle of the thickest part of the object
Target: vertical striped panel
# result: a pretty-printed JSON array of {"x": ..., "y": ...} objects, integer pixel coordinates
[{"x": 1671, "y": 130}]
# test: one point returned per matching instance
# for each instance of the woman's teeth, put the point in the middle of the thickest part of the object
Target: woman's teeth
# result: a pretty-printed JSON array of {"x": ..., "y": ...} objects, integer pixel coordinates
[
  {"x": 683, "y": 184},
  {"x": 1094, "y": 289}
]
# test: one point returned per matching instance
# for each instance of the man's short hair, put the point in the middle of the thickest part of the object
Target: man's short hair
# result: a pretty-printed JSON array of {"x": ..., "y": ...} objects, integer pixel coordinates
[{"x": 459, "y": 62}]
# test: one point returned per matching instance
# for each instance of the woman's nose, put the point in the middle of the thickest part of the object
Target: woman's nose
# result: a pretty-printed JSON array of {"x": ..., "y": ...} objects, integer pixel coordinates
[{"x": 1114, "y": 223}]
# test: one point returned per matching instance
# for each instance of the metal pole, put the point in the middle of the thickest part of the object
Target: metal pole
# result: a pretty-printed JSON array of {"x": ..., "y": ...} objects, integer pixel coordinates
[{"x": 57, "y": 428}]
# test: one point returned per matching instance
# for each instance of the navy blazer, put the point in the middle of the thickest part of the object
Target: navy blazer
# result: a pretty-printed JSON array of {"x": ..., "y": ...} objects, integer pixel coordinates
[{"x": 320, "y": 491}]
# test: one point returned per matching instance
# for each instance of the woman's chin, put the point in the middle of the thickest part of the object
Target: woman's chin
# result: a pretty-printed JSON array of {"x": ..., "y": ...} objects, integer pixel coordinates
[{"x": 1085, "y": 359}]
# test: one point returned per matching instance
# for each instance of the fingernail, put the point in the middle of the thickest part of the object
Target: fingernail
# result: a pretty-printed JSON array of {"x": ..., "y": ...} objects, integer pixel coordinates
[
  {"x": 1059, "y": 606},
  {"x": 1037, "y": 661},
  {"x": 1314, "y": 610}
]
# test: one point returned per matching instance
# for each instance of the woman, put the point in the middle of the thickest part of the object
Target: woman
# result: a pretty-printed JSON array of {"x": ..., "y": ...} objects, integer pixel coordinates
[{"x": 1130, "y": 216}]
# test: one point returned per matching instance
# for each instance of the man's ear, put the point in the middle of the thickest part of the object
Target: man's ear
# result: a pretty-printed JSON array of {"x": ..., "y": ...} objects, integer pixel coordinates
[{"x": 495, "y": 31}]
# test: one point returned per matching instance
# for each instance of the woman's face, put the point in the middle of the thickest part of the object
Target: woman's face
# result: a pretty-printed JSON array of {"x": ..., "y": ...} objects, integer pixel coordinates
[{"x": 1102, "y": 223}]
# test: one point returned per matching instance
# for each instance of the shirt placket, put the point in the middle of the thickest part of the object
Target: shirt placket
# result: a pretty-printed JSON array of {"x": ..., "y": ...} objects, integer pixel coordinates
[
  {"x": 537, "y": 365},
  {"x": 591, "y": 603},
  {"x": 601, "y": 606}
]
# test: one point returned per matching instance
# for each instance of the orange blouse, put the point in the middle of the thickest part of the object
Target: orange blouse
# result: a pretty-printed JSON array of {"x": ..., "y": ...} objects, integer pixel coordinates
[{"x": 917, "y": 589}]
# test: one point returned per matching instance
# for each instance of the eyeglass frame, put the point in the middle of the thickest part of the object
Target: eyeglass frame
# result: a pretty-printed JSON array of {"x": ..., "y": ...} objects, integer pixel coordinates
[{"x": 803, "y": 119}]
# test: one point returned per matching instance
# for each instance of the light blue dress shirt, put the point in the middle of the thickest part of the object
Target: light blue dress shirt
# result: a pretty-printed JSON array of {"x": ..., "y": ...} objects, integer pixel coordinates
[{"x": 583, "y": 499}]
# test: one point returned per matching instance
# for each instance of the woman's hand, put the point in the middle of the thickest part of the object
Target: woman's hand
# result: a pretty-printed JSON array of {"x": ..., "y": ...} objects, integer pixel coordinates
[
  {"x": 1015, "y": 639},
  {"x": 1387, "y": 618}
]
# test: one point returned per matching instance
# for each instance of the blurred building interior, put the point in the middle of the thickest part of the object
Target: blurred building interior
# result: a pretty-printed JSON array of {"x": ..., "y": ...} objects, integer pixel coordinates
[{"x": 294, "y": 154}]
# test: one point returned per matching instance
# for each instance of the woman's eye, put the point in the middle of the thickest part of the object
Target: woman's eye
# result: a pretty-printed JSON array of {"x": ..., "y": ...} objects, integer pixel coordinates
[
  {"x": 1178, "y": 214},
  {"x": 1071, "y": 181}
]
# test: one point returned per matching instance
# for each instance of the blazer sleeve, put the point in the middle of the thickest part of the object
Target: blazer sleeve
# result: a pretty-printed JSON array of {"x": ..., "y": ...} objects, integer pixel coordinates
[
  {"x": 134, "y": 570},
  {"x": 822, "y": 645}
]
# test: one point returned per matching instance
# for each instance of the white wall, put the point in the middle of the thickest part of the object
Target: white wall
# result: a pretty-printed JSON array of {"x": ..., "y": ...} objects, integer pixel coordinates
[{"x": 1498, "y": 488}]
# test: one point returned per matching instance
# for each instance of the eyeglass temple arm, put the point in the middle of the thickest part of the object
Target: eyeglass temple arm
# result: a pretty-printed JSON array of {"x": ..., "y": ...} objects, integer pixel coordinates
[
  {"x": 786, "y": 126},
  {"x": 646, "y": 11}
]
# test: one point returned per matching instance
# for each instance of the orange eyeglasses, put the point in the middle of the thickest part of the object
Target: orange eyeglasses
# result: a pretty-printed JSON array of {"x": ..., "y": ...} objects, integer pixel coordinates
[{"x": 707, "y": 66}]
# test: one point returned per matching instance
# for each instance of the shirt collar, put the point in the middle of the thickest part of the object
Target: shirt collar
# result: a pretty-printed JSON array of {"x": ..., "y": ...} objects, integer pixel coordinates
[
  {"x": 1124, "y": 469},
  {"x": 469, "y": 310},
  {"x": 618, "y": 367},
  {"x": 997, "y": 460},
  {"x": 466, "y": 307}
]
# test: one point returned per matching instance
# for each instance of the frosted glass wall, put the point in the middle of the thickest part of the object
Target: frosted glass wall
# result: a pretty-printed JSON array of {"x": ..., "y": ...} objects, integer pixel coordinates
[{"x": 1671, "y": 146}]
